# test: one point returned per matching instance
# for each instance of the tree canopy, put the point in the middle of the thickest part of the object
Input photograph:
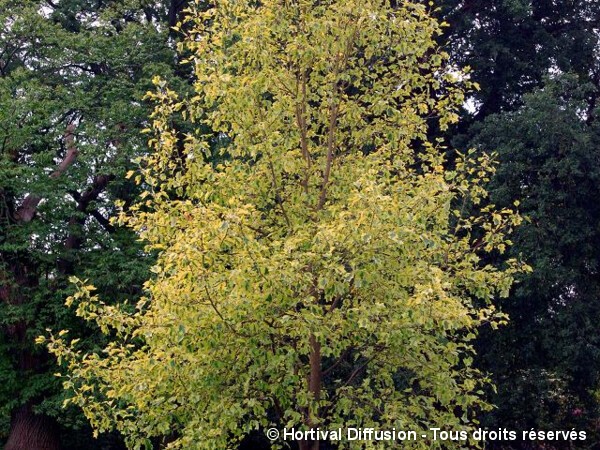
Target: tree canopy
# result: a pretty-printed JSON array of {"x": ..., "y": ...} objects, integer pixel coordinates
[{"x": 316, "y": 263}]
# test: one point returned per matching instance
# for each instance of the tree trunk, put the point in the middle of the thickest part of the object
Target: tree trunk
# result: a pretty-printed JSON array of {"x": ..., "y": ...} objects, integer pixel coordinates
[
  {"x": 314, "y": 387},
  {"x": 30, "y": 431}
]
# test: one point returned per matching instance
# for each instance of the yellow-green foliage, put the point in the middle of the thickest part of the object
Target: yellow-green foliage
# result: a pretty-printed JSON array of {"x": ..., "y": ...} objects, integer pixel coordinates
[{"x": 315, "y": 232}]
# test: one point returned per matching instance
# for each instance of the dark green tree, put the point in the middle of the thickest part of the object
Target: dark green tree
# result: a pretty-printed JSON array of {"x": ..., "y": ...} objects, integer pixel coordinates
[
  {"x": 73, "y": 74},
  {"x": 547, "y": 361},
  {"x": 538, "y": 68}
]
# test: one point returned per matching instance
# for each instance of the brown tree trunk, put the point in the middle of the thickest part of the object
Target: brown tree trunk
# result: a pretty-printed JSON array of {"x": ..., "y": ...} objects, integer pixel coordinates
[
  {"x": 30, "y": 431},
  {"x": 314, "y": 387}
]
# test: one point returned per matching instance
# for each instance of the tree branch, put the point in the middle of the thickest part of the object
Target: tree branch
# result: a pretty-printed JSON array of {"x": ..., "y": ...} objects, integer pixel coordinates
[
  {"x": 333, "y": 117},
  {"x": 71, "y": 154},
  {"x": 102, "y": 220},
  {"x": 28, "y": 208}
]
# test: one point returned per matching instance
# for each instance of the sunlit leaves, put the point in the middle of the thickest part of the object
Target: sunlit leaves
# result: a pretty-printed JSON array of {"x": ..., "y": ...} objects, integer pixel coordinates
[{"x": 320, "y": 214}]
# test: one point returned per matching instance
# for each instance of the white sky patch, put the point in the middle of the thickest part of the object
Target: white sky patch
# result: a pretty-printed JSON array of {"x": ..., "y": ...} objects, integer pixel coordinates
[{"x": 472, "y": 105}]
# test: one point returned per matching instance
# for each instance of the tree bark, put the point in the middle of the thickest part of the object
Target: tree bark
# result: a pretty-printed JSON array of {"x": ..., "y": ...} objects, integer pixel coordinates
[
  {"x": 30, "y": 431},
  {"x": 314, "y": 385}
]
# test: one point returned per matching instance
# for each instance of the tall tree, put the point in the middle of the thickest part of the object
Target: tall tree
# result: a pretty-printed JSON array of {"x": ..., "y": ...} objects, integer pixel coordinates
[
  {"x": 317, "y": 272},
  {"x": 549, "y": 371},
  {"x": 538, "y": 68},
  {"x": 72, "y": 77}
]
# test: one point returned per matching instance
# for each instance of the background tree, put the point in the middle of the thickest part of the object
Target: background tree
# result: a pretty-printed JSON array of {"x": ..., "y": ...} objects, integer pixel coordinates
[
  {"x": 72, "y": 76},
  {"x": 549, "y": 373},
  {"x": 317, "y": 271},
  {"x": 538, "y": 68}
]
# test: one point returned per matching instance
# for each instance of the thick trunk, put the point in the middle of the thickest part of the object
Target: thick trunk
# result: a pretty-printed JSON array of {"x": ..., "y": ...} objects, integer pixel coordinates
[
  {"x": 29, "y": 431},
  {"x": 314, "y": 387}
]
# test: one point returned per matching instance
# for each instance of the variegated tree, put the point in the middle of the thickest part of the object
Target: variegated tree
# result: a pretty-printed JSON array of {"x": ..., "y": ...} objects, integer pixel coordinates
[{"x": 316, "y": 267}]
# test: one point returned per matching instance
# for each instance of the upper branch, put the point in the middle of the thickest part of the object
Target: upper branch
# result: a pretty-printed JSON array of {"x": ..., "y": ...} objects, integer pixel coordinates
[{"x": 28, "y": 208}]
